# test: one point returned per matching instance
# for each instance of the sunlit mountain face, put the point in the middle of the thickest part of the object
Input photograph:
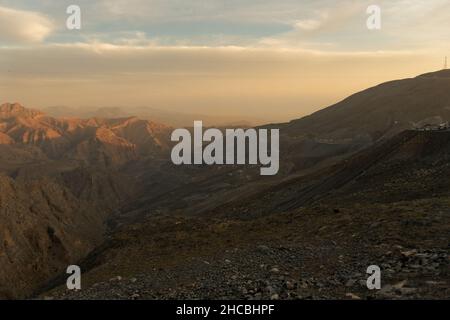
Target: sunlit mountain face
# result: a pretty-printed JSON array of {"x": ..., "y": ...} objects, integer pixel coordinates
[{"x": 80, "y": 184}]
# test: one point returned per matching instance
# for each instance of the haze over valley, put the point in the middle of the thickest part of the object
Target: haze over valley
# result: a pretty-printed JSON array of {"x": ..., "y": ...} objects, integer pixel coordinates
[
  {"x": 98, "y": 106},
  {"x": 78, "y": 190}
]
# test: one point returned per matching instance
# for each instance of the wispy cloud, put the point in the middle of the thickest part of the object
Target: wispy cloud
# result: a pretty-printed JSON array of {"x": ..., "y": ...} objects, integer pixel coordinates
[
  {"x": 311, "y": 24},
  {"x": 18, "y": 26}
]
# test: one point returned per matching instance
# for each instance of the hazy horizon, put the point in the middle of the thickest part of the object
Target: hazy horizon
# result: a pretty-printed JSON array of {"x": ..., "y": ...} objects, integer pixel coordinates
[{"x": 260, "y": 61}]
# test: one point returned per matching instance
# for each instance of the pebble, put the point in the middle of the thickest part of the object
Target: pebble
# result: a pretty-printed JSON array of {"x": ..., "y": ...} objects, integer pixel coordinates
[
  {"x": 118, "y": 278},
  {"x": 352, "y": 296},
  {"x": 263, "y": 249},
  {"x": 290, "y": 285}
]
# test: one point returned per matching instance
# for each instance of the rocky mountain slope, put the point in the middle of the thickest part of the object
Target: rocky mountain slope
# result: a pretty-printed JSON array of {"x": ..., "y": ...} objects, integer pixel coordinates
[
  {"x": 43, "y": 228},
  {"x": 387, "y": 205},
  {"x": 59, "y": 182},
  {"x": 354, "y": 189},
  {"x": 384, "y": 110},
  {"x": 313, "y": 232},
  {"x": 110, "y": 142}
]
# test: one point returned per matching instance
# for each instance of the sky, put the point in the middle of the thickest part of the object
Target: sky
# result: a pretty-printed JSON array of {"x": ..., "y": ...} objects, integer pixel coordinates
[{"x": 257, "y": 59}]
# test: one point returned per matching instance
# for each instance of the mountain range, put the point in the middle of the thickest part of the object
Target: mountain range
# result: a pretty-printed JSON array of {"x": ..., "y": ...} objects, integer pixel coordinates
[
  {"x": 95, "y": 140},
  {"x": 171, "y": 118},
  {"x": 357, "y": 180}
]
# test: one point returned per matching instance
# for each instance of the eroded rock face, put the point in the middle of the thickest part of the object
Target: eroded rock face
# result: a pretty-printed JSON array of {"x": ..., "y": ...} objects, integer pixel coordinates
[
  {"x": 59, "y": 182},
  {"x": 43, "y": 229},
  {"x": 95, "y": 141}
]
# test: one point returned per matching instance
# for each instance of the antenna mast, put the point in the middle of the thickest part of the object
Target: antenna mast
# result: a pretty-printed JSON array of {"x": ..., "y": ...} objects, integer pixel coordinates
[{"x": 445, "y": 63}]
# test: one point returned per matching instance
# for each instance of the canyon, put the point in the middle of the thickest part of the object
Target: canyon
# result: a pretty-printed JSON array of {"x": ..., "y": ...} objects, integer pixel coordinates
[{"x": 357, "y": 184}]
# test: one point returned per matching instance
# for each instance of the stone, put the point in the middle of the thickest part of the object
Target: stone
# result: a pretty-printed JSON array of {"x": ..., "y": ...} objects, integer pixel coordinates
[
  {"x": 352, "y": 296},
  {"x": 135, "y": 296},
  {"x": 263, "y": 249},
  {"x": 290, "y": 285},
  {"x": 409, "y": 253},
  {"x": 350, "y": 283},
  {"x": 275, "y": 296}
]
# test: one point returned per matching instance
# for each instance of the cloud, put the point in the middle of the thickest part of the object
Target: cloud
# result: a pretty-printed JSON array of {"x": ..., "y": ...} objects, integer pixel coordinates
[
  {"x": 308, "y": 24},
  {"x": 311, "y": 24},
  {"x": 18, "y": 26}
]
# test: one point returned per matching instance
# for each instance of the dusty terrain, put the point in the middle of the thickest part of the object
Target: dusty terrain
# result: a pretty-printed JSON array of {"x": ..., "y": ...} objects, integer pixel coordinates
[
  {"x": 357, "y": 186},
  {"x": 393, "y": 212}
]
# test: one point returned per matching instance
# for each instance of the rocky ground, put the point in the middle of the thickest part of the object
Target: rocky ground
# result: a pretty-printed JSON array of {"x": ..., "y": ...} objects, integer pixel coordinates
[
  {"x": 312, "y": 237},
  {"x": 273, "y": 273},
  {"x": 314, "y": 253}
]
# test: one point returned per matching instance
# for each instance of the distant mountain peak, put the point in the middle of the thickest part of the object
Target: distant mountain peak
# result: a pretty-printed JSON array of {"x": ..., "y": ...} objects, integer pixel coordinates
[
  {"x": 16, "y": 109},
  {"x": 94, "y": 140}
]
